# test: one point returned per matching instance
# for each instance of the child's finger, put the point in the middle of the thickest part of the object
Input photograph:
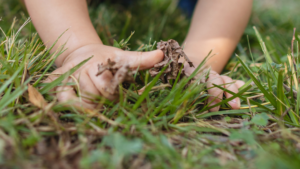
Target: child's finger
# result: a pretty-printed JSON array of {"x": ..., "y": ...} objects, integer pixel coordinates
[
  {"x": 66, "y": 94},
  {"x": 54, "y": 75},
  {"x": 141, "y": 60},
  {"x": 88, "y": 90},
  {"x": 230, "y": 85},
  {"x": 216, "y": 94},
  {"x": 239, "y": 83},
  {"x": 101, "y": 82}
]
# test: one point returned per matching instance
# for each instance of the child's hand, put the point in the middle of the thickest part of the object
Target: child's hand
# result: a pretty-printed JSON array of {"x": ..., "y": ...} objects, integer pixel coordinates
[
  {"x": 216, "y": 93},
  {"x": 91, "y": 85},
  {"x": 219, "y": 29}
]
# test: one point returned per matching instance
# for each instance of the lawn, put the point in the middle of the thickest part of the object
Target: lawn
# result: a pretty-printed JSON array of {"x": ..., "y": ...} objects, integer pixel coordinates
[{"x": 163, "y": 127}]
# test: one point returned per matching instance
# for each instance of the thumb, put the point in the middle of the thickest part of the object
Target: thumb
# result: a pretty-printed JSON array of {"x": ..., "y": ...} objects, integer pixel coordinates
[{"x": 143, "y": 60}]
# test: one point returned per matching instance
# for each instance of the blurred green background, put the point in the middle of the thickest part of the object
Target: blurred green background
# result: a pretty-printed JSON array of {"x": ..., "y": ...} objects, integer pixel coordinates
[{"x": 161, "y": 20}]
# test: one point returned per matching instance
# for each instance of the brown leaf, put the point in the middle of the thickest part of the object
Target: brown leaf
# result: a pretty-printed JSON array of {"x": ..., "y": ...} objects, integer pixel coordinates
[
  {"x": 36, "y": 98},
  {"x": 172, "y": 53}
]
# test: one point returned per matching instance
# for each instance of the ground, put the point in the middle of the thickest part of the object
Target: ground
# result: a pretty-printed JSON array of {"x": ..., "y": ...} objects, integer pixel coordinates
[{"x": 163, "y": 127}]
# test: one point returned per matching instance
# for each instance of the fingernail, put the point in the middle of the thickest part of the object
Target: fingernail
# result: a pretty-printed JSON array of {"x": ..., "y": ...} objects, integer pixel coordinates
[
  {"x": 233, "y": 101},
  {"x": 236, "y": 102},
  {"x": 213, "y": 103}
]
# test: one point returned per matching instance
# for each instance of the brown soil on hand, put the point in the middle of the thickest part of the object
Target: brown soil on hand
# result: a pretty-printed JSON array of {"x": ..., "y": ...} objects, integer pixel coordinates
[{"x": 121, "y": 74}]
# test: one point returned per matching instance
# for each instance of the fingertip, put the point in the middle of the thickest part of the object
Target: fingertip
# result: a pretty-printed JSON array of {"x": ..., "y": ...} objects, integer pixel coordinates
[
  {"x": 235, "y": 104},
  {"x": 65, "y": 93},
  {"x": 239, "y": 83},
  {"x": 214, "y": 109},
  {"x": 160, "y": 54},
  {"x": 213, "y": 101},
  {"x": 141, "y": 60},
  {"x": 232, "y": 86},
  {"x": 216, "y": 94},
  {"x": 152, "y": 58}
]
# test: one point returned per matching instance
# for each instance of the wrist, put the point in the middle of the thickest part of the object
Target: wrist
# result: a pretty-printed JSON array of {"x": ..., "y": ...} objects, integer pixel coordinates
[
  {"x": 197, "y": 51},
  {"x": 194, "y": 52}
]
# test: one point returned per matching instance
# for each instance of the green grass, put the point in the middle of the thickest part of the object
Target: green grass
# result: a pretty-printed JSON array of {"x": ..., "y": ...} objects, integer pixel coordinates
[{"x": 166, "y": 128}]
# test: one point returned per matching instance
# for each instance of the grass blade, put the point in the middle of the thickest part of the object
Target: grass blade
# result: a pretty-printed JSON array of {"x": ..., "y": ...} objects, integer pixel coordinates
[
  {"x": 57, "y": 81},
  {"x": 257, "y": 83},
  {"x": 148, "y": 88}
]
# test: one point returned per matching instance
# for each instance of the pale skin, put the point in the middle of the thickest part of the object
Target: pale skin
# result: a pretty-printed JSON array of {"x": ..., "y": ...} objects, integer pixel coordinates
[{"x": 216, "y": 24}]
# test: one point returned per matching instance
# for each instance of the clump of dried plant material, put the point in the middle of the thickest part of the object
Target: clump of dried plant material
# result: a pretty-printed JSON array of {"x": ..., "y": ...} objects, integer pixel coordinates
[
  {"x": 172, "y": 53},
  {"x": 121, "y": 74}
]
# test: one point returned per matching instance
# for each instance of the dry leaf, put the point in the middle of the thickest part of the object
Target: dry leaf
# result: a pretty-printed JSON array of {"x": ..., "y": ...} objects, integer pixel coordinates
[
  {"x": 122, "y": 74},
  {"x": 93, "y": 113},
  {"x": 36, "y": 98},
  {"x": 172, "y": 53}
]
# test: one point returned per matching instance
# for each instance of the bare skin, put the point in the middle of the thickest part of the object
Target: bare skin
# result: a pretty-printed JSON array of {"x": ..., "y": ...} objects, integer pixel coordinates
[{"x": 215, "y": 25}]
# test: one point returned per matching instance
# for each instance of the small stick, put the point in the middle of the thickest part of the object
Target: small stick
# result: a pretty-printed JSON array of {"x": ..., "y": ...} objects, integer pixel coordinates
[
  {"x": 292, "y": 48},
  {"x": 288, "y": 89},
  {"x": 248, "y": 102},
  {"x": 285, "y": 112}
]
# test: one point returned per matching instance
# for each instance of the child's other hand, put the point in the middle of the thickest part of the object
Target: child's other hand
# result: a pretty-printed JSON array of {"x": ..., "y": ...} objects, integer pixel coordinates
[
  {"x": 215, "y": 93},
  {"x": 91, "y": 85}
]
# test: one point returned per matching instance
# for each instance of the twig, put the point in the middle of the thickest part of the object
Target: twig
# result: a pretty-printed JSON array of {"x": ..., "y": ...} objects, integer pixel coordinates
[
  {"x": 285, "y": 112},
  {"x": 248, "y": 102},
  {"x": 292, "y": 51},
  {"x": 288, "y": 89}
]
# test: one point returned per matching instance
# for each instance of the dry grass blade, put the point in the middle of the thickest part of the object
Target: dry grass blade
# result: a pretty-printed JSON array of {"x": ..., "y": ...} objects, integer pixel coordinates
[
  {"x": 93, "y": 113},
  {"x": 292, "y": 50},
  {"x": 155, "y": 88},
  {"x": 288, "y": 89}
]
